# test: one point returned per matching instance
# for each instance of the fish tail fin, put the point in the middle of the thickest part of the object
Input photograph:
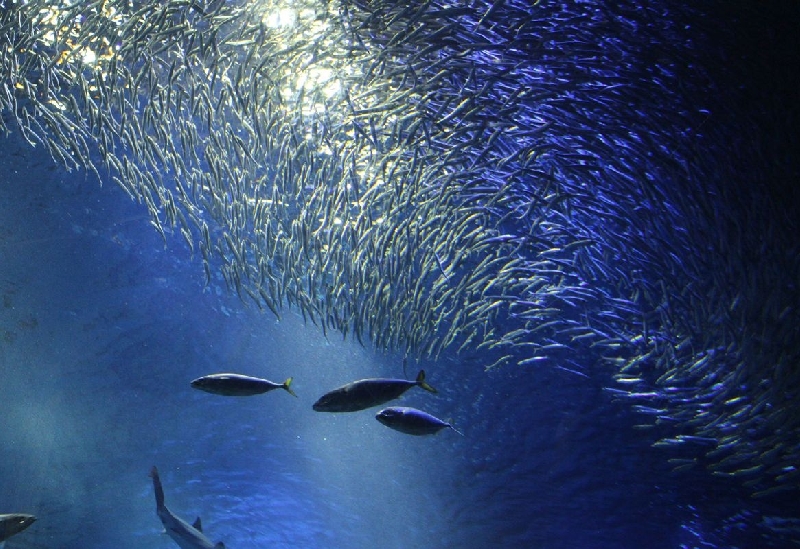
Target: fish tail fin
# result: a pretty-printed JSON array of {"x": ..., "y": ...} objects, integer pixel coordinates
[
  {"x": 449, "y": 423},
  {"x": 421, "y": 382},
  {"x": 159, "y": 490},
  {"x": 286, "y": 386}
]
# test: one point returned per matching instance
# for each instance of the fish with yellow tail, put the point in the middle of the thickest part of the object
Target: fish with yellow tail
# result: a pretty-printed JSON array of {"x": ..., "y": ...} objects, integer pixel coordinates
[{"x": 228, "y": 384}]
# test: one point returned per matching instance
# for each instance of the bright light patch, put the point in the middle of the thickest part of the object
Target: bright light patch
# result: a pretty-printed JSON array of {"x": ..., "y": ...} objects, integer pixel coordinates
[
  {"x": 321, "y": 79},
  {"x": 88, "y": 57},
  {"x": 282, "y": 17}
]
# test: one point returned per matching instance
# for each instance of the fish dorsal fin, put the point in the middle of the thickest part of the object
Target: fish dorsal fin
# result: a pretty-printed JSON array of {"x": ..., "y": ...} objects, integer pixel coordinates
[
  {"x": 219, "y": 545},
  {"x": 197, "y": 525}
]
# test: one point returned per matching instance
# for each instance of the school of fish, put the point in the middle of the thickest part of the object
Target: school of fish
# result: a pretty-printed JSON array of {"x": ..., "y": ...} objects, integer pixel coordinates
[{"x": 437, "y": 177}]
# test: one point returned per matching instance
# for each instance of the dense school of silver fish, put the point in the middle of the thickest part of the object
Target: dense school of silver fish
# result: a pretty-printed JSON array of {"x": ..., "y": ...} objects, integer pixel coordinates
[{"x": 434, "y": 176}]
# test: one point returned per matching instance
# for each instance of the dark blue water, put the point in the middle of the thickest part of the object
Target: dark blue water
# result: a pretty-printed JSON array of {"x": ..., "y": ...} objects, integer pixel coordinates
[{"x": 103, "y": 325}]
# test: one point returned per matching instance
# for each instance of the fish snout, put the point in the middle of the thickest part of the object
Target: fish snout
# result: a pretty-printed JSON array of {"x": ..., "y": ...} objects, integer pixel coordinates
[
  {"x": 386, "y": 415},
  {"x": 28, "y": 520},
  {"x": 323, "y": 404},
  {"x": 14, "y": 524}
]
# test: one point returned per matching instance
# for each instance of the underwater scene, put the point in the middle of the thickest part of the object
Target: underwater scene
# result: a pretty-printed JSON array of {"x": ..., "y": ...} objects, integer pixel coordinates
[{"x": 371, "y": 274}]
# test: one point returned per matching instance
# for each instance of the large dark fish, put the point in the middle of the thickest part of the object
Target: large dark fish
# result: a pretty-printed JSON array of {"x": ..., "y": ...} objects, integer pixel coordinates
[
  {"x": 12, "y": 524},
  {"x": 366, "y": 393},
  {"x": 412, "y": 421},
  {"x": 187, "y": 536},
  {"x": 238, "y": 385}
]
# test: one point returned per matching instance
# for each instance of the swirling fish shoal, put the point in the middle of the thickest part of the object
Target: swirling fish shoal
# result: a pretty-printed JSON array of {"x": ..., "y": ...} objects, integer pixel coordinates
[{"x": 433, "y": 180}]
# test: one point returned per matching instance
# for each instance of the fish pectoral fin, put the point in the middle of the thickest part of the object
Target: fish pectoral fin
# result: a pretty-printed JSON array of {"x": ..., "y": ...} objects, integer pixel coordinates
[{"x": 197, "y": 525}]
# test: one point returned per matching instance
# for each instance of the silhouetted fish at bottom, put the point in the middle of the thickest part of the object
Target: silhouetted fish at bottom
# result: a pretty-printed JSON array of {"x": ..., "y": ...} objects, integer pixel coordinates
[
  {"x": 412, "y": 421},
  {"x": 366, "y": 393},
  {"x": 185, "y": 535},
  {"x": 238, "y": 385},
  {"x": 13, "y": 523}
]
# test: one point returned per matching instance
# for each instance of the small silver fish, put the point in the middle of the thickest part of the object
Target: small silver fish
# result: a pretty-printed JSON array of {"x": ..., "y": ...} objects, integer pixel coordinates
[
  {"x": 412, "y": 421},
  {"x": 227, "y": 384}
]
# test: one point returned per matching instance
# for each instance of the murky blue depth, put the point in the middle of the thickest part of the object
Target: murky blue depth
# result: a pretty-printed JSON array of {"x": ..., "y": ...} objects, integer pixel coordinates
[{"x": 103, "y": 324}]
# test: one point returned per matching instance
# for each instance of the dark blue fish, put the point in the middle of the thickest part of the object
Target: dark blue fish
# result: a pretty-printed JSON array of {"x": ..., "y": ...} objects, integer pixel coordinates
[
  {"x": 412, "y": 421},
  {"x": 238, "y": 385},
  {"x": 13, "y": 523},
  {"x": 366, "y": 393}
]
